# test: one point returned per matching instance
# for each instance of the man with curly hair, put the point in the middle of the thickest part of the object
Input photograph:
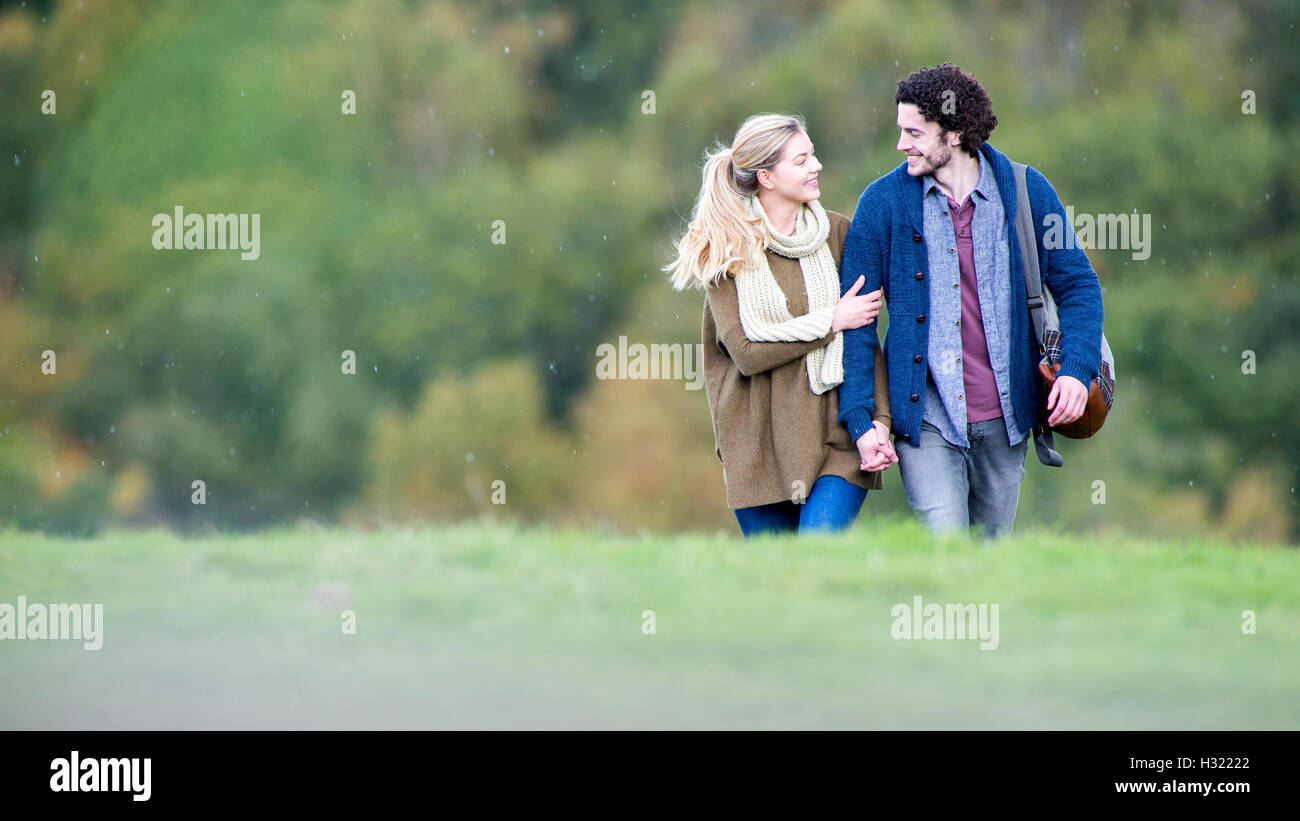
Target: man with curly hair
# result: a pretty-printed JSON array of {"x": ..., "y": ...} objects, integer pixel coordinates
[{"x": 939, "y": 235}]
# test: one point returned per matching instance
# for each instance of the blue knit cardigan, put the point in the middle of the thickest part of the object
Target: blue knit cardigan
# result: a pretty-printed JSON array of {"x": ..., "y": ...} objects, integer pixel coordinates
[{"x": 886, "y": 244}]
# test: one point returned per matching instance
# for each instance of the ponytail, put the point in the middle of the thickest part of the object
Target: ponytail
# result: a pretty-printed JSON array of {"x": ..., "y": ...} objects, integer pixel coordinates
[{"x": 722, "y": 235}]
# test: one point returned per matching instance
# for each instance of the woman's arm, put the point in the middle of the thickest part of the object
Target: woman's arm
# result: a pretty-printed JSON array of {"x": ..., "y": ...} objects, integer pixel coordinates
[
  {"x": 881, "y": 413},
  {"x": 751, "y": 357}
]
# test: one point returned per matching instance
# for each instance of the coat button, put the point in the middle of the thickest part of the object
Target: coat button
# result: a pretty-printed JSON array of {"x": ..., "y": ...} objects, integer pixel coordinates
[
  {"x": 920, "y": 317},
  {"x": 916, "y": 238},
  {"x": 920, "y": 275},
  {"x": 915, "y": 398},
  {"x": 905, "y": 435},
  {"x": 916, "y": 358}
]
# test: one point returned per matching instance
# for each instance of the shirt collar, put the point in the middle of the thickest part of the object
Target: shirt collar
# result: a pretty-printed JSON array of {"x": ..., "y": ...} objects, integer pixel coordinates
[{"x": 982, "y": 186}]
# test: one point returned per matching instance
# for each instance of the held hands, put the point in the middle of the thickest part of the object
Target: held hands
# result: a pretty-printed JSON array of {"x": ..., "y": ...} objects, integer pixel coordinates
[
  {"x": 853, "y": 311},
  {"x": 1069, "y": 397},
  {"x": 875, "y": 449}
]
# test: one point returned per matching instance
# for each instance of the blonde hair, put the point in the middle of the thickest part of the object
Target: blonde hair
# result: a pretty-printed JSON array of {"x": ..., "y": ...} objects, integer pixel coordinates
[{"x": 722, "y": 235}]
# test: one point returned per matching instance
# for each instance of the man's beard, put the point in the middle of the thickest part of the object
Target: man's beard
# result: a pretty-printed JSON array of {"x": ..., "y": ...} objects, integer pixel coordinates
[{"x": 933, "y": 164}]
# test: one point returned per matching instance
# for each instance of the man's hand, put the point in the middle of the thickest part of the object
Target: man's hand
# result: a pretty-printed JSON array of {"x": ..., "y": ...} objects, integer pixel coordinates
[
  {"x": 874, "y": 449},
  {"x": 1068, "y": 398},
  {"x": 886, "y": 447}
]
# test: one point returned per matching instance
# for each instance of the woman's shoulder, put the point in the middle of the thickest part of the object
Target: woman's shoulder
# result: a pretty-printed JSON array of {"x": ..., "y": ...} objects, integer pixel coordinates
[
  {"x": 837, "y": 219},
  {"x": 839, "y": 227}
]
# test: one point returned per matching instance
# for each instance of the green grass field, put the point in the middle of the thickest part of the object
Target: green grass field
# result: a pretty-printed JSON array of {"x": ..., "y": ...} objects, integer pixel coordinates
[{"x": 494, "y": 626}]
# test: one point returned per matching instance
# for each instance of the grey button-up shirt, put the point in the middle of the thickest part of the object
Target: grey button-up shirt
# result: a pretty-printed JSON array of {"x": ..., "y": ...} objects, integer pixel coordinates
[{"x": 945, "y": 403}]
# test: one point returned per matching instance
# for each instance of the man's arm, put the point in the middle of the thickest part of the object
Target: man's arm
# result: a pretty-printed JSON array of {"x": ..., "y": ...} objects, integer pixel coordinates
[
  {"x": 863, "y": 256},
  {"x": 1074, "y": 285}
]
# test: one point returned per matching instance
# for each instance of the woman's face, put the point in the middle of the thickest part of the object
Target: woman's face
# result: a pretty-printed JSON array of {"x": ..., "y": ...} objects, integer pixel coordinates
[{"x": 795, "y": 176}]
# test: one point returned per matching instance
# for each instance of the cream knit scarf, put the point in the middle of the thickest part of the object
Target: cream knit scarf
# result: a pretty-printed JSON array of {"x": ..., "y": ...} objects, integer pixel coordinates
[{"x": 764, "y": 315}]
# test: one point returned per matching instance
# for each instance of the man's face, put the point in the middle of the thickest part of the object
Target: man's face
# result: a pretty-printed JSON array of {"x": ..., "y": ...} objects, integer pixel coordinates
[{"x": 925, "y": 145}]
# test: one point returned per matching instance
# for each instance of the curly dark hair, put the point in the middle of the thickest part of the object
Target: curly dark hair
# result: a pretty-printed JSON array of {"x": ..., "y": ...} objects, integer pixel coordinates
[{"x": 968, "y": 109}]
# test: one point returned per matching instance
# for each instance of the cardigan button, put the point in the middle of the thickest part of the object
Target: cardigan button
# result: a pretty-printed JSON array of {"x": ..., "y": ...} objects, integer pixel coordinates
[
  {"x": 920, "y": 317},
  {"x": 920, "y": 275},
  {"x": 916, "y": 238},
  {"x": 915, "y": 398},
  {"x": 916, "y": 358}
]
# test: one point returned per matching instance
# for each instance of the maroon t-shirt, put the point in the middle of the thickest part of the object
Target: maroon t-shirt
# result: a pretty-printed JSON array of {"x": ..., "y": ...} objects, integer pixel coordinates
[{"x": 977, "y": 373}]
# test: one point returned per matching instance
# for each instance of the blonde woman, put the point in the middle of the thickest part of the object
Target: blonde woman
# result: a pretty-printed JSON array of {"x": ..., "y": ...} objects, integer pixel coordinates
[{"x": 767, "y": 256}]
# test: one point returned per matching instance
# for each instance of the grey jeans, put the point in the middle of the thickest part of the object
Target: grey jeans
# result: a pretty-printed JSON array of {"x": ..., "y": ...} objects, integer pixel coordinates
[{"x": 952, "y": 487}]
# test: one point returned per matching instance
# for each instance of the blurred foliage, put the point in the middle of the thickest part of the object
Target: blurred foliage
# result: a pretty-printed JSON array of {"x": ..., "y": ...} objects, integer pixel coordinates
[
  {"x": 377, "y": 238},
  {"x": 471, "y": 443}
]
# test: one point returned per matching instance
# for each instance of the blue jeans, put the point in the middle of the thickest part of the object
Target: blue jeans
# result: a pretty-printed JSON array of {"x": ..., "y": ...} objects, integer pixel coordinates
[
  {"x": 952, "y": 487},
  {"x": 832, "y": 504}
]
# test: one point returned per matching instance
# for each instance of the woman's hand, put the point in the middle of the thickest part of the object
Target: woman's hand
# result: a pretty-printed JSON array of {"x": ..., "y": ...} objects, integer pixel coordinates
[
  {"x": 874, "y": 449},
  {"x": 853, "y": 311}
]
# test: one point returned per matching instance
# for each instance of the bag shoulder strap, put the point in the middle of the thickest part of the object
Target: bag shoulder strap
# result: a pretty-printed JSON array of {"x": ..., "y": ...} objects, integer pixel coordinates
[
  {"x": 1029, "y": 256},
  {"x": 1044, "y": 442}
]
